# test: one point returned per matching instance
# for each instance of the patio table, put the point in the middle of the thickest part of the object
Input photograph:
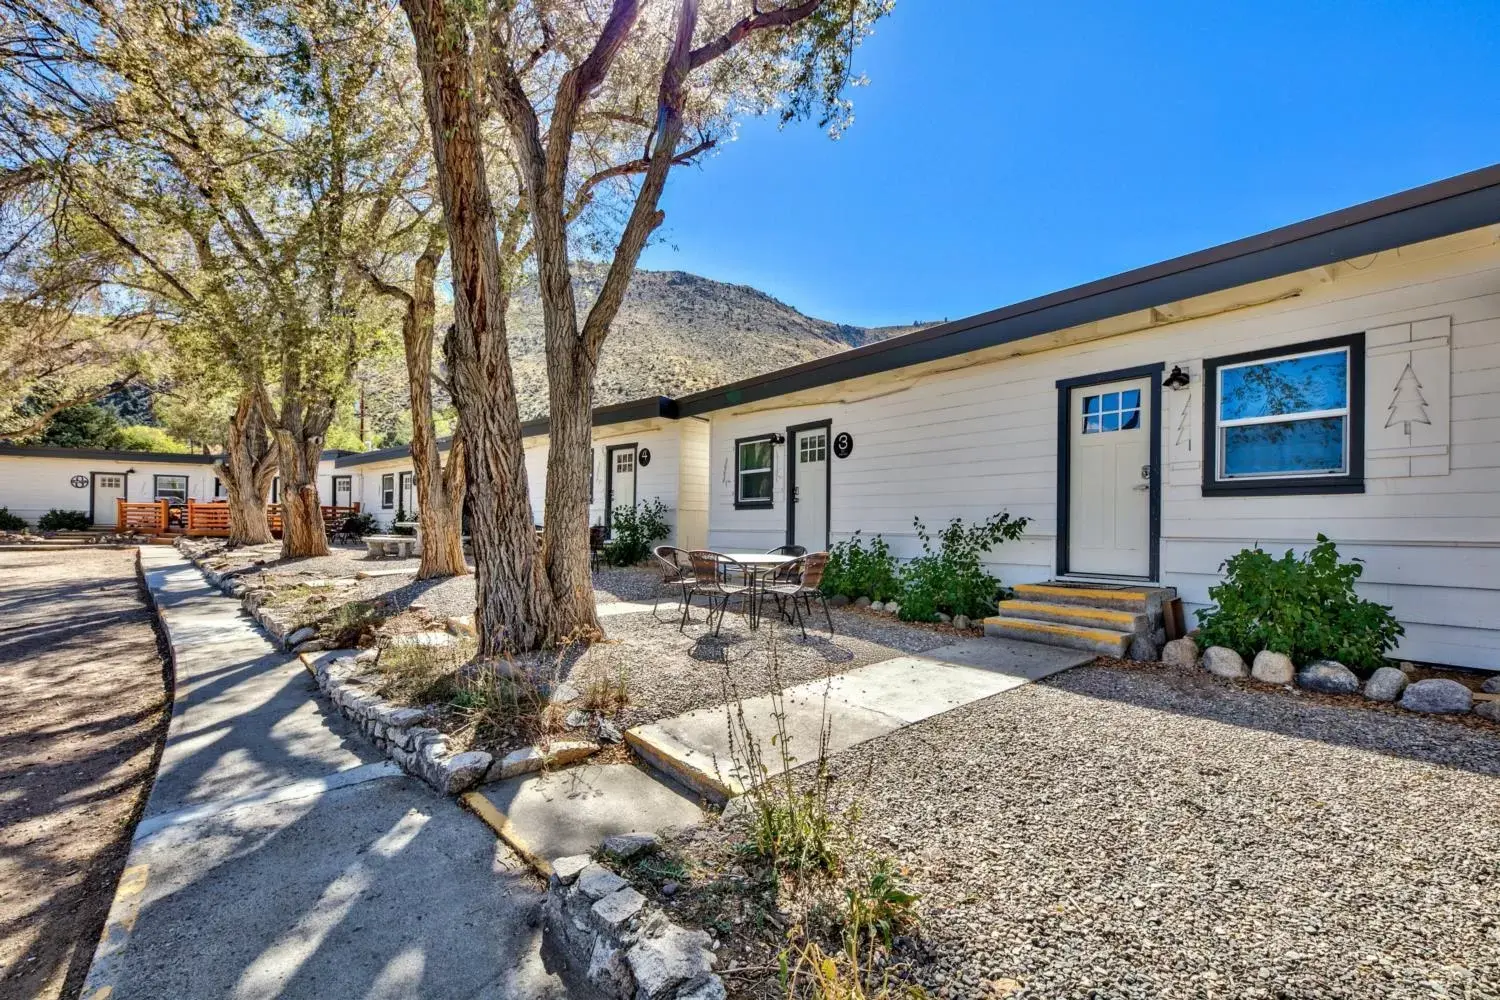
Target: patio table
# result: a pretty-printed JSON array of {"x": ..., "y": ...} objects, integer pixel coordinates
[{"x": 756, "y": 564}]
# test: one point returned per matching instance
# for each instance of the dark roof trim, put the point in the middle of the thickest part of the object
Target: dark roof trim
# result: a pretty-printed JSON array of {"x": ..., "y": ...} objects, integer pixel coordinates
[
  {"x": 1443, "y": 208},
  {"x": 107, "y": 454},
  {"x": 615, "y": 413}
]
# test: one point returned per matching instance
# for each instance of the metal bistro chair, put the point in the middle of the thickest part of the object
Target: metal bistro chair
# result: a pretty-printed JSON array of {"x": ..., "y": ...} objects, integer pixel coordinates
[
  {"x": 711, "y": 572},
  {"x": 676, "y": 571},
  {"x": 800, "y": 591},
  {"x": 596, "y": 546},
  {"x": 779, "y": 575}
]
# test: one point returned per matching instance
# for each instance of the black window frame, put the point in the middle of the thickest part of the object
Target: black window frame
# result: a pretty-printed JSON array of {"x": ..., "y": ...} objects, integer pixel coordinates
[
  {"x": 388, "y": 491},
  {"x": 156, "y": 479},
  {"x": 769, "y": 503},
  {"x": 1351, "y": 481}
]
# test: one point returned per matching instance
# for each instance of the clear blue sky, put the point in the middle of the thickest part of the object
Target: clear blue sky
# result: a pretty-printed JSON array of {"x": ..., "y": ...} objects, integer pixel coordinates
[{"x": 1003, "y": 150}]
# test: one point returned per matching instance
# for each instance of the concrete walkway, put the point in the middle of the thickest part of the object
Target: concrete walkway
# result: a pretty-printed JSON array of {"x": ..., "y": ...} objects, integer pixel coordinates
[{"x": 281, "y": 856}]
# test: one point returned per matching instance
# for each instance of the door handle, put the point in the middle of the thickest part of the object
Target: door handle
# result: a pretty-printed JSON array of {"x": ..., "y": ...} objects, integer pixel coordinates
[
  {"x": 796, "y": 494},
  {"x": 1141, "y": 488}
]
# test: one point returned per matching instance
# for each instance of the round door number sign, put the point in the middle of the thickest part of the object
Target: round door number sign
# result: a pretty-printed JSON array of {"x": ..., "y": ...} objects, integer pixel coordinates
[
  {"x": 79, "y": 481},
  {"x": 843, "y": 444},
  {"x": 643, "y": 457}
]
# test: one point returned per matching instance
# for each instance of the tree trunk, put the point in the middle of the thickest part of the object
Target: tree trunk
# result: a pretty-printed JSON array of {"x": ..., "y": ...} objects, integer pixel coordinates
[
  {"x": 247, "y": 467},
  {"x": 302, "y": 532},
  {"x": 440, "y": 497},
  {"x": 570, "y": 456},
  {"x": 515, "y": 607}
]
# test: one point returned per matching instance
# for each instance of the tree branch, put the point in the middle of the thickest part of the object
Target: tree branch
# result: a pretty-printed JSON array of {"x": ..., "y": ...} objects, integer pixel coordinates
[{"x": 780, "y": 18}]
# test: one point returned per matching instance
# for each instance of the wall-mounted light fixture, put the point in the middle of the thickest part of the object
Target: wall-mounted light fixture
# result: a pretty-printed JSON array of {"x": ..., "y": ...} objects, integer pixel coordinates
[
  {"x": 778, "y": 439},
  {"x": 1177, "y": 380}
]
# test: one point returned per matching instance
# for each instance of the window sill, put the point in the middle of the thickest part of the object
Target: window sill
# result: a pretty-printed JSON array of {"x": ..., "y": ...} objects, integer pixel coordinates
[
  {"x": 754, "y": 505},
  {"x": 1284, "y": 488}
]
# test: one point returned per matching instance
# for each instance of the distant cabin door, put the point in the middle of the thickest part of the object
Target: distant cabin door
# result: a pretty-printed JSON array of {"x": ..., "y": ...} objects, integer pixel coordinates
[
  {"x": 108, "y": 487},
  {"x": 1111, "y": 475},
  {"x": 807, "y": 477},
  {"x": 619, "y": 481},
  {"x": 343, "y": 491}
]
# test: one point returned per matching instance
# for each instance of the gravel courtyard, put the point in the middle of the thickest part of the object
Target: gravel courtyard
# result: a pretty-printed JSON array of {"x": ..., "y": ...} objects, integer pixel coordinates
[{"x": 1140, "y": 833}]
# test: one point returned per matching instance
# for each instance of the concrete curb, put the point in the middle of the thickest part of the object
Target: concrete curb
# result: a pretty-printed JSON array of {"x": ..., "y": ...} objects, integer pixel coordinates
[
  {"x": 690, "y": 768},
  {"x": 495, "y": 820}
]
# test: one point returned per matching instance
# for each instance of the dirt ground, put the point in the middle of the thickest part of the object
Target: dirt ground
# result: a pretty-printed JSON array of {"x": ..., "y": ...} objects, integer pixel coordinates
[{"x": 82, "y": 694}]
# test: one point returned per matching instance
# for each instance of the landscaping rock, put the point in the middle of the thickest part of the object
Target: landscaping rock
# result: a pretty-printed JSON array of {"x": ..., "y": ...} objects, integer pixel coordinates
[
  {"x": 611, "y": 912},
  {"x": 861, "y": 602},
  {"x": 563, "y": 693},
  {"x": 669, "y": 959},
  {"x": 597, "y": 881},
  {"x": 1491, "y": 686},
  {"x": 576, "y": 719},
  {"x": 1328, "y": 677},
  {"x": 367, "y": 655},
  {"x": 302, "y": 635},
  {"x": 838, "y": 601},
  {"x": 533, "y": 758},
  {"x": 1221, "y": 661},
  {"x": 1437, "y": 695},
  {"x": 1273, "y": 668},
  {"x": 877, "y": 605},
  {"x": 669, "y": 888},
  {"x": 628, "y": 845},
  {"x": 462, "y": 771},
  {"x": 1385, "y": 684},
  {"x": 1180, "y": 653},
  {"x": 962, "y": 621},
  {"x": 892, "y": 608},
  {"x": 943, "y": 618},
  {"x": 609, "y": 732},
  {"x": 423, "y": 640},
  {"x": 1143, "y": 650},
  {"x": 712, "y": 988},
  {"x": 1407, "y": 667},
  {"x": 1484, "y": 709},
  {"x": 311, "y": 646},
  {"x": 565, "y": 870}
]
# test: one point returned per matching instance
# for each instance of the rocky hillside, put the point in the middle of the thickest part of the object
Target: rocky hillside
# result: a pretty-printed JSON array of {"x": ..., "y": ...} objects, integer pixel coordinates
[{"x": 678, "y": 333}]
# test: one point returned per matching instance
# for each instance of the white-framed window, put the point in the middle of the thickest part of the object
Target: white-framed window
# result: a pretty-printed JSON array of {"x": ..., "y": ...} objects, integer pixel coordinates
[
  {"x": 169, "y": 487},
  {"x": 753, "y": 476},
  {"x": 388, "y": 491},
  {"x": 1286, "y": 420},
  {"x": 812, "y": 447},
  {"x": 1107, "y": 412}
]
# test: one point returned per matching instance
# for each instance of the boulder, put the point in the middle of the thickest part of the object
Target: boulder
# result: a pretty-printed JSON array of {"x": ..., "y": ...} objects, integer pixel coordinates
[
  {"x": 609, "y": 732},
  {"x": 1180, "y": 653},
  {"x": 861, "y": 602},
  {"x": 1143, "y": 650},
  {"x": 463, "y": 771},
  {"x": 1328, "y": 677},
  {"x": 1491, "y": 686},
  {"x": 628, "y": 845},
  {"x": 1385, "y": 684},
  {"x": 1437, "y": 695},
  {"x": 838, "y": 601},
  {"x": 877, "y": 605},
  {"x": 962, "y": 621},
  {"x": 892, "y": 608},
  {"x": 943, "y": 618},
  {"x": 1488, "y": 710},
  {"x": 671, "y": 958},
  {"x": 576, "y": 719},
  {"x": 1221, "y": 661},
  {"x": 1273, "y": 668},
  {"x": 303, "y": 634}
]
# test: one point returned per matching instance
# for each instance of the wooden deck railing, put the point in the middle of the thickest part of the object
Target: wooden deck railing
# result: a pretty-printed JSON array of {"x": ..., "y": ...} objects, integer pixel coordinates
[
  {"x": 273, "y": 514},
  {"x": 143, "y": 517},
  {"x": 210, "y": 518}
]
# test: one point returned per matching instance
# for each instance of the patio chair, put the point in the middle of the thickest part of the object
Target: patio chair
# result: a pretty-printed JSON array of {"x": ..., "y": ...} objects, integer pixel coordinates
[
  {"x": 596, "y": 546},
  {"x": 711, "y": 572},
  {"x": 676, "y": 571},
  {"x": 801, "y": 591},
  {"x": 791, "y": 552}
]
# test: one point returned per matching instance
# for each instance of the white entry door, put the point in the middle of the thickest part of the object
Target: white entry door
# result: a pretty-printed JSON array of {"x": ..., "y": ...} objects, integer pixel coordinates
[
  {"x": 1109, "y": 479},
  {"x": 809, "y": 457},
  {"x": 343, "y": 491},
  {"x": 620, "y": 491},
  {"x": 108, "y": 487}
]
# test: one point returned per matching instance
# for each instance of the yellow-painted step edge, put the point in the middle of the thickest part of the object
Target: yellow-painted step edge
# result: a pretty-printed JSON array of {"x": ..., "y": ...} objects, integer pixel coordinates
[
  {"x": 1125, "y": 618},
  {"x": 1087, "y": 592},
  {"x": 493, "y": 818},
  {"x": 1056, "y": 628}
]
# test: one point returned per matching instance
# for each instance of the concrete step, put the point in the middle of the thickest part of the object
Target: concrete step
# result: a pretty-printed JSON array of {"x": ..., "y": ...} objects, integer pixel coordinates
[
  {"x": 1143, "y": 600},
  {"x": 1107, "y": 642},
  {"x": 1075, "y": 614}
]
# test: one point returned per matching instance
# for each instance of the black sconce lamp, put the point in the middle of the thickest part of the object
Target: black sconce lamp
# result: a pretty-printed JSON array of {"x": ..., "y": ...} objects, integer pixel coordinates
[
  {"x": 1177, "y": 380},
  {"x": 778, "y": 439}
]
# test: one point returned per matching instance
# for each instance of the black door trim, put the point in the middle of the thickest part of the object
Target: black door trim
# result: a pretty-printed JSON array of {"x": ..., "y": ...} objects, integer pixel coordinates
[
  {"x": 334, "y": 488},
  {"x": 124, "y": 489},
  {"x": 609, "y": 481},
  {"x": 1065, "y": 389},
  {"x": 791, "y": 478}
]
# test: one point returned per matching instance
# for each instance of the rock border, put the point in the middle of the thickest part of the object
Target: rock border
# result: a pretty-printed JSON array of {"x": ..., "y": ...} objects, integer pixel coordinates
[
  {"x": 1388, "y": 685},
  {"x": 253, "y": 601},
  {"x": 623, "y": 945}
]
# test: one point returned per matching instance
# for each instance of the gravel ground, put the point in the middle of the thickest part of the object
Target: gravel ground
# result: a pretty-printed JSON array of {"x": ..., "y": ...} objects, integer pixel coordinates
[{"x": 1140, "y": 833}]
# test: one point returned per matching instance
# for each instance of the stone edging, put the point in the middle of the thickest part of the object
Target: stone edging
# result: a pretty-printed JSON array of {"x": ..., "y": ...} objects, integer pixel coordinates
[
  {"x": 281, "y": 632},
  {"x": 622, "y": 945}
]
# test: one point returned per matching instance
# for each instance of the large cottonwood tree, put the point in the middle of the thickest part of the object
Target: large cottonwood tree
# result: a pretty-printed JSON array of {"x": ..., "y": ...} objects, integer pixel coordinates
[
  {"x": 600, "y": 99},
  {"x": 239, "y": 162}
]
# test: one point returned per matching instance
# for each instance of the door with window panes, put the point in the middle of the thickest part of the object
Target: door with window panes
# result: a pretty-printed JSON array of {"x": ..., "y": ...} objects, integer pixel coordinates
[
  {"x": 808, "y": 456},
  {"x": 619, "y": 482},
  {"x": 1109, "y": 479}
]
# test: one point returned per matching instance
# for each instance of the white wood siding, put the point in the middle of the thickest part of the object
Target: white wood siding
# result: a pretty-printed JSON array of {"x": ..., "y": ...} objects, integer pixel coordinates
[
  {"x": 31, "y": 485},
  {"x": 983, "y": 437}
]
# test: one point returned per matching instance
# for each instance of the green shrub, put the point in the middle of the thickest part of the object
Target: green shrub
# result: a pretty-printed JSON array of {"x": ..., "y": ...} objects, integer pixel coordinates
[
  {"x": 855, "y": 571},
  {"x": 361, "y": 524},
  {"x": 398, "y": 527},
  {"x": 1305, "y": 608},
  {"x": 64, "y": 520},
  {"x": 11, "y": 522},
  {"x": 634, "y": 529},
  {"x": 951, "y": 578},
  {"x": 880, "y": 905}
]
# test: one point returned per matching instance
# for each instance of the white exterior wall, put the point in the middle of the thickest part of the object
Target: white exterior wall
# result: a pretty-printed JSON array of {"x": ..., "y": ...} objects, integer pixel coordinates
[
  {"x": 32, "y": 485},
  {"x": 982, "y": 437},
  {"x": 364, "y": 486},
  {"x": 692, "y": 484}
]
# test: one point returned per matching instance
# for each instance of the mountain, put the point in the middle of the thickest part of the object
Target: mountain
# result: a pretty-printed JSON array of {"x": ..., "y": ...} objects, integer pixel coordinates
[{"x": 678, "y": 333}]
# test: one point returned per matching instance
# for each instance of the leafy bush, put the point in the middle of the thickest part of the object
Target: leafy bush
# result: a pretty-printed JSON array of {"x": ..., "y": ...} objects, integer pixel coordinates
[
  {"x": 951, "y": 578},
  {"x": 855, "y": 571},
  {"x": 635, "y": 528},
  {"x": 63, "y": 520},
  {"x": 880, "y": 905},
  {"x": 11, "y": 522},
  {"x": 361, "y": 524},
  {"x": 398, "y": 525},
  {"x": 1305, "y": 608}
]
